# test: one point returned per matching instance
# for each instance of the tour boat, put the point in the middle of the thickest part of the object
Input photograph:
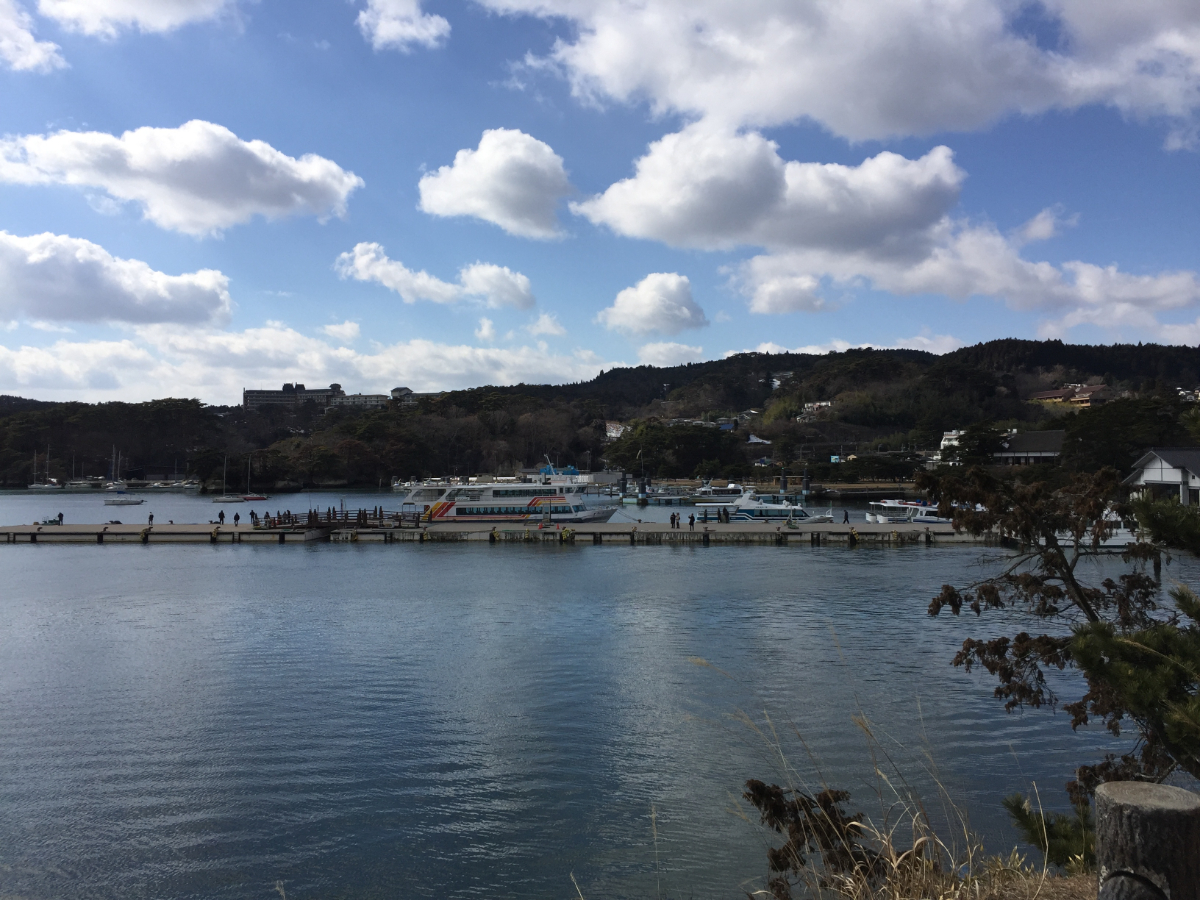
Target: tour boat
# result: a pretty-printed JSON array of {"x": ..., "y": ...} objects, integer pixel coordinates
[
  {"x": 905, "y": 512},
  {"x": 750, "y": 507},
  {"x": 556, "y": 500},
  {"x": 707, "y": 493}
]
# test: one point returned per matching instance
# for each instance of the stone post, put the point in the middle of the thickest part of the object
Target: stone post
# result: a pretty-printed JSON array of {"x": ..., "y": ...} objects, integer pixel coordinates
[{"x": 1147, "y": 842}]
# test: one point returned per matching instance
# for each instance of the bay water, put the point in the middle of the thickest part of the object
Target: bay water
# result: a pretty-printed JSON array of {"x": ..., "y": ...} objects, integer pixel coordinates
[{"x": 444, "y": 721}]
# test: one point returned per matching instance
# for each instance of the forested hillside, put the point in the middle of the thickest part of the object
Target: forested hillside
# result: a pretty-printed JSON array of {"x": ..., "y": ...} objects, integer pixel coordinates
[{"x": 884, "y": 407}]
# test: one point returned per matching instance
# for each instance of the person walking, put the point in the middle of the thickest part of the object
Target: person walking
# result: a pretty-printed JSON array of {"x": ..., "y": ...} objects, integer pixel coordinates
[{"x": 845, "y": 517}]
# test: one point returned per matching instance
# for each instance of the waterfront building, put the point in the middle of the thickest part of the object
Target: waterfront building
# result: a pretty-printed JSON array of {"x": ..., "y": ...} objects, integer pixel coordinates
[{"x": 1168, "y": 472}]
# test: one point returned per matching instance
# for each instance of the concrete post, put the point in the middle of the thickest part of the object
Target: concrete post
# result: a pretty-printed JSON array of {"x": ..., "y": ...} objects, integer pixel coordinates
[{"x": 1147, "y": 842}]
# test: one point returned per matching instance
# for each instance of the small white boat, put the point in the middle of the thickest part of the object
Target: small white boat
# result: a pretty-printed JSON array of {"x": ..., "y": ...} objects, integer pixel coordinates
[
  {"x": 227, "y": 497},
  {"x": 123, "y": 500},
  {"x": 905, "y": 512}
]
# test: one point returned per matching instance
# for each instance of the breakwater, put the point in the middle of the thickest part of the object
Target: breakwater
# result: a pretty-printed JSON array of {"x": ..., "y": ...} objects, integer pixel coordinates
[{"x": 652, "y": 533}]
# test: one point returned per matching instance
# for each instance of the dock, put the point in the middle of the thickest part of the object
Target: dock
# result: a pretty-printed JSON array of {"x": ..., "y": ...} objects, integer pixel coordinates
[{"x": 652, "y": 533}]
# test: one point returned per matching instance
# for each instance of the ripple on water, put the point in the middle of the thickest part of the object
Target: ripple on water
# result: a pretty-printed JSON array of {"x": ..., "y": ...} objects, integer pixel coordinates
[{"x": 468, "y": 722}]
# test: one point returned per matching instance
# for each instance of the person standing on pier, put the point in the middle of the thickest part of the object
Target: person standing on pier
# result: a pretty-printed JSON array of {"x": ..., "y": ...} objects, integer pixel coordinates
[
  {"x": 221, "y": 517},
  {"x": 60, "y": 518},
  {"x": 151, "y": 520},
  {"x": 237, "y": 517},
  {"x": 692, "y": 522}
]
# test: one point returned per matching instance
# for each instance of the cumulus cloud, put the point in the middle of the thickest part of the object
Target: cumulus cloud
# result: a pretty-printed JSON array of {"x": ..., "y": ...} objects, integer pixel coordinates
[
  {"x": 660, "y": 303},
  {"x": 486, "y": 330},
  {"x": 216, "y": 364},
  {"x": 878, "y": 68},
  {"x": 400, "y": 25},
  {"x": 546, "y": 323},
  {"x": 511, "y": 180},
  {"x": 714, "y": 189},
  {"x": 347, "y": 332},
  {"x": 19, "y": 49},
  {"x": 976, "y": 261},
  {"x": 887, "y": 221},
  {"x": 60, "y": 278},
  {"x": 667, "y": 353},
  {"x": 199, "y": 178},
  {"x": 496, "y": 286},
  {"x": 104, "y": 18}
]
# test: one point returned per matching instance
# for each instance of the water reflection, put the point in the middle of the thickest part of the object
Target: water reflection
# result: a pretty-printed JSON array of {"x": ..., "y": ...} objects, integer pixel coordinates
[{"x": 447, "y": 721}]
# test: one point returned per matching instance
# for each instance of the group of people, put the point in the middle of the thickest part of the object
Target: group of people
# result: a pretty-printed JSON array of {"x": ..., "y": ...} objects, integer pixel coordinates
[
  {"x": 677, "y": 521},
  {"x": 722, "y": 515}
]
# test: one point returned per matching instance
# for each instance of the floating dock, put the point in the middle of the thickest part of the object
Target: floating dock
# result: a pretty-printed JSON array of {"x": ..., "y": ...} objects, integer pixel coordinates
[{"x": 440, "y": 532}]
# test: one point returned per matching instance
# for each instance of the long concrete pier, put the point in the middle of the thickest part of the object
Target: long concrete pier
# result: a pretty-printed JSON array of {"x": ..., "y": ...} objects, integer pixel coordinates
[{"x": 596, "y": 534}]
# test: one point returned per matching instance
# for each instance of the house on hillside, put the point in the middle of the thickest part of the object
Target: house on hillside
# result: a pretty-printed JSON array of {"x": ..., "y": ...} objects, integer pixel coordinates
[
  {"x": 1031, "y": 447},
  {"x": 1078, "y": 395},
  {"x": 1168, "y": 472}
]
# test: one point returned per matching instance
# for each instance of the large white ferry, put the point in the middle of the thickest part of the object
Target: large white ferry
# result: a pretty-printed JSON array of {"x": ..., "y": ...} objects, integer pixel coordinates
[{"x": 555, "y": 499}]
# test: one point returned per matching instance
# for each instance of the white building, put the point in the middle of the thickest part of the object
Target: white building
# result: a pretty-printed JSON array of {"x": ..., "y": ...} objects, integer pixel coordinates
[{"x": 1168, "y": 472}]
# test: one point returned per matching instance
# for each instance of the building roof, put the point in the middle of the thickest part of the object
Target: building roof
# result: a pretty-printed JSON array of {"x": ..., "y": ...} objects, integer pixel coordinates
[
  {"x": 1034, "y": 442},
  {"x": 1053, "y": 395},
  {"x": 1176, "y": 457}
]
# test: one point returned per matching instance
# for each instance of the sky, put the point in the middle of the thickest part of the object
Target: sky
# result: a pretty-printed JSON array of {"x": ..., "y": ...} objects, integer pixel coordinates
[{"x": 198, "y": 196}]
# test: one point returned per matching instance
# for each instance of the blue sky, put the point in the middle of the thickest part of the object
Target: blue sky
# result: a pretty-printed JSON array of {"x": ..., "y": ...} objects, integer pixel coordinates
[{"x": 201, "y": 195}]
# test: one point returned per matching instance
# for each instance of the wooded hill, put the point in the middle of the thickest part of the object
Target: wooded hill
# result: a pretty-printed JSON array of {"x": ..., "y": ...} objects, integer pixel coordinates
[{"x": 887, "y": 404}]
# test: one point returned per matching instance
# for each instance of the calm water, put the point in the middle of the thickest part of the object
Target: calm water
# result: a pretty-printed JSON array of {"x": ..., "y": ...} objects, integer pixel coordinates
[{"x": 445, "y": 721}]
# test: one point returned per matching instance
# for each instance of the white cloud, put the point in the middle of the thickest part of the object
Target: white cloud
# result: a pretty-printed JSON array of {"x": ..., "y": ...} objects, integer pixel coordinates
[
  {"x": 198, "y": 178},
  {"x": 666, "y": 353},
  {"x": 511, "y": 180},
  {"x": 72, "y": 370},
  {"x": 713, "y": 189},
  {"x": 877, "y": 68},
  {"x": 105, "y": 18},
  {"x": 976, "y": 261},
  {"x": 19, "y": 49},
  {"x": 400, "y": 24},
  {"x": 937, "y": 344},
  {"x": 347, "y": 332},
  {"x": 160, "y": 361},
  {"x": 60, "y": 278},
  {"x": 486, "y": 330},
  {"x": 496, "y": 285},
  {"x": 660, "y": 303},
  {"x": 546, "y": 323}
]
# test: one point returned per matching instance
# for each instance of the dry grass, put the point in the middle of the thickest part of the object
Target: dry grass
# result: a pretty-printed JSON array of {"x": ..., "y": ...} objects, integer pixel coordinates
[{"x": 895, "y": 853}]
